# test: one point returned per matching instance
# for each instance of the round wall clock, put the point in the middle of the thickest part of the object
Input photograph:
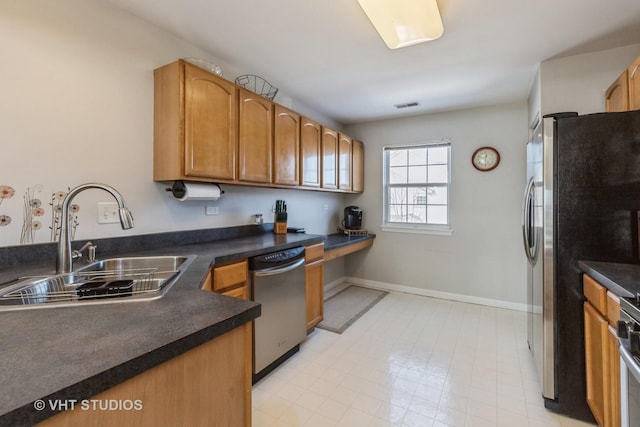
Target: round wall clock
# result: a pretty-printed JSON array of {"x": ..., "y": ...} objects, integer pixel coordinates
[{"x": 485, "y": 159}]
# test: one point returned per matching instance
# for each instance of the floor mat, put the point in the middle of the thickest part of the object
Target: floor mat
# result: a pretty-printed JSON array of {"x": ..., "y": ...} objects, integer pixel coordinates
[{"x": 347, "y": 306}]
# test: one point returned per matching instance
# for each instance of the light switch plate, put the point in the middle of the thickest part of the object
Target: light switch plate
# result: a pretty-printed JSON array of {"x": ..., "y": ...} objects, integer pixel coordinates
[{"x": 107, "y": 213}]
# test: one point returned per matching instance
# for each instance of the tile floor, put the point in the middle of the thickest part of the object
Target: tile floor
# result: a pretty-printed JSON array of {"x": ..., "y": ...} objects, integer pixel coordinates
[{"x": 411, "y": 361}]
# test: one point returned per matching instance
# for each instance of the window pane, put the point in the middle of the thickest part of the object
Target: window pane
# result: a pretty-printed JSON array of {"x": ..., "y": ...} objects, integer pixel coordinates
[
  {"x": 397, "y": 196},
  {"x": 397, "y": 157},
  {"x": 437, "y": 195},
  {"x": 397, "y": 213},
  {"x": 437, "y": 214},
  {"x": 398, "y": 175},
  {"x": 438, "y": 155},
  {"x": 417, "y": 196},
  {"x": 418, "y": 156},
  {"x": 417, "y": 214},
  {"x": 438, "y": 174},
  {"x": 417, "y": 174}
]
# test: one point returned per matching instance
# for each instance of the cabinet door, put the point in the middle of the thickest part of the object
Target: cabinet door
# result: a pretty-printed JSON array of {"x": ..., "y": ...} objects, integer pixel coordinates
[
  {"x": 210, "y": 123},
  {"x": 358, "y": 166},
  {"x": 596, "y": 340},
  {"x": 286, "y": 145},
  {"x": 255, "y": 138},
  {"x": 634, "y": 85},
  {"x": 209, "y": 385},
  {"x": 314, "y": 279},
  {"x": 617, "y": 95},
  {"x": 344, "y": 162},
  {"x": 613, "y": 360},
  {"x": 329, "y": 159},
  {"x": 310, "y": 152},
  {"x": 240, "y": 292}
]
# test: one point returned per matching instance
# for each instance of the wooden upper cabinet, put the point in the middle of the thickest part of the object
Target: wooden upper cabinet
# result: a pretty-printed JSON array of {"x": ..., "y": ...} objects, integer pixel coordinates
[
  {"x": 255, "y": 138},
  {"x": 624, "y": 93},
  {"x": 634, "y": 85},
  {"x": 208, "y": 129},
  {"x": 617, "y": 96},
  {"x": 286, "y": 146},
  {"x": 310, "y": 152},
  {"x": 329, "y": 158},
  {"x": 357, "y": 158},
  {"x": 345, "y": 144},
  {"x": 195, "y": 124}
]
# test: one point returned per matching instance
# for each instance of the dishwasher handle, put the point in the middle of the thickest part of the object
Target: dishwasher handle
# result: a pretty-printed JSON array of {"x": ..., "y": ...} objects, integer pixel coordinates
[{"x": 279, "y": 270}]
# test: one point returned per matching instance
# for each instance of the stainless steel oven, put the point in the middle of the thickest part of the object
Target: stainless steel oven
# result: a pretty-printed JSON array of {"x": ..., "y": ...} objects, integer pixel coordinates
[{"x": 629, "y": 336}]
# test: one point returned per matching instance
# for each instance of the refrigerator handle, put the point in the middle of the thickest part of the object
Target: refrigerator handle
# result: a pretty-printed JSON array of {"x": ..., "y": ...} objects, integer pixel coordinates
[{"x": 529, "y": 194}]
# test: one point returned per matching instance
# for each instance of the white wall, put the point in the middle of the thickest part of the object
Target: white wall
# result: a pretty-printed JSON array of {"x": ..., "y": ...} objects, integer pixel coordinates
[
  {"x": 483, "y": 258},
  {"x": 77, "y": 106}
]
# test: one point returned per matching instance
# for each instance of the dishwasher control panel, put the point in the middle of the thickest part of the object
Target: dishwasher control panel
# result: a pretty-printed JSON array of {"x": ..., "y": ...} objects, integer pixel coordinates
[{"x": 275, "y": 259}]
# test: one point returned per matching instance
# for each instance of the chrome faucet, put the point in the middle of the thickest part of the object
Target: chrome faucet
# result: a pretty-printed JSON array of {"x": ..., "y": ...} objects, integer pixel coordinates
[{"x": 64, "y": 259}]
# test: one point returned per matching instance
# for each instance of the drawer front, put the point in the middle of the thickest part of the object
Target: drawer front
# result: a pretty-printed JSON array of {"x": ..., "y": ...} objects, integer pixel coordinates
[
  {"x": 240, "y": 292},
  {"x": 229, "y": 275},
  {"x": 595, "y": 293},
  {"x": 314, "y": 252},
  {"x": 613, "y": 309}
]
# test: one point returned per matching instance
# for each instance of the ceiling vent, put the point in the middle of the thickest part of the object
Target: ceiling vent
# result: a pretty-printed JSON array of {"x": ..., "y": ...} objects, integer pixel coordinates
[{"x": 407, "y": 105}]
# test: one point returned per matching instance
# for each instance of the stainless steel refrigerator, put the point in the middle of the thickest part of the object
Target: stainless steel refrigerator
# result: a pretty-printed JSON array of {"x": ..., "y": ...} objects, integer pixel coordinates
[{"x": 581, "y": 202}]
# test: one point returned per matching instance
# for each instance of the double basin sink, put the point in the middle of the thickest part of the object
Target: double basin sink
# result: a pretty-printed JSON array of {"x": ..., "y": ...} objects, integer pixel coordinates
[{"x": 112, "y": 280}]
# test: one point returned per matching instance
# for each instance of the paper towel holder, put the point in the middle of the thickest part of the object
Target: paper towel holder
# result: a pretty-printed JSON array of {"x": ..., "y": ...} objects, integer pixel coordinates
[{"x": 178, "y": 189}]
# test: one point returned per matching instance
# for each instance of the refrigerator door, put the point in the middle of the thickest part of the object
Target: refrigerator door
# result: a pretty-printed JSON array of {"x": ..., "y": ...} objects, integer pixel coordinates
[
  {"x": 533, "y": 221},
  {"x": 545, "y": 276}
]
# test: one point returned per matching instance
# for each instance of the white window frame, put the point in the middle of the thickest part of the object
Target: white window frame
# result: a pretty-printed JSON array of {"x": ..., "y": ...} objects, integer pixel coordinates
[{"x": 402, "y": 227}]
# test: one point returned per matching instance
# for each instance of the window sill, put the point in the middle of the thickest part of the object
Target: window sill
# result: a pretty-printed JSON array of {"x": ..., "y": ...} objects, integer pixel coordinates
[{"x": 417, "y": 230}]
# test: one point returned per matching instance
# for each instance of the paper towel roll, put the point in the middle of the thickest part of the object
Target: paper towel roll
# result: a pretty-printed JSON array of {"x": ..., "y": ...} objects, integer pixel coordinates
[{"x": 184, "y": 191}]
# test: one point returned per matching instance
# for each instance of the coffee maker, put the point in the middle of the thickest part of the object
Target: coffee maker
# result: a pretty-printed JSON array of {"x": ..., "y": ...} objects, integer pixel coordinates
[{"x": 352, "y": 218}]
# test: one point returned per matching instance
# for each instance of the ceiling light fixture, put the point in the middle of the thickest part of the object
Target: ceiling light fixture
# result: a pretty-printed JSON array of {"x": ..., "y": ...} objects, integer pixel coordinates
[{"x": 403, "y": 23}]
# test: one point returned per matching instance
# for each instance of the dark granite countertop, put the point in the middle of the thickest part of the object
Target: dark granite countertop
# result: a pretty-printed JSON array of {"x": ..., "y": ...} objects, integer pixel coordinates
[
  {"x": 77, "y": 352},
  {"x": 333, "y": 241},
  {"x": 621, "y": 279}
]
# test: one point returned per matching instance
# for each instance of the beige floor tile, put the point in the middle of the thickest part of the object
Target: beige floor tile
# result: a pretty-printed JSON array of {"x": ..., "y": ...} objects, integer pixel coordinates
[{"x": 411, "y": 361}]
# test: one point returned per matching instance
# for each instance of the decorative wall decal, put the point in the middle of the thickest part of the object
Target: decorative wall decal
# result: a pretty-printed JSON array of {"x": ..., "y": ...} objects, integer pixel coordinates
[
  {"x": 6, "y": 192},
  {"x": 5, "y": 220},
  {"x": 56, "y": 215},
  {"x": 32, "y": 208}
]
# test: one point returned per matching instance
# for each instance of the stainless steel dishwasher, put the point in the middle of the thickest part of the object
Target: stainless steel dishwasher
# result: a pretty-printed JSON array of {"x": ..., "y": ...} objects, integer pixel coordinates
[{"x": 278, "y": 284}]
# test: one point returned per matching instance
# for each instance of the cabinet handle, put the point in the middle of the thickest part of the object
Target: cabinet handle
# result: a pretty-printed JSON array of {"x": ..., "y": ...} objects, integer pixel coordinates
[{"x": 633, "y": 73}]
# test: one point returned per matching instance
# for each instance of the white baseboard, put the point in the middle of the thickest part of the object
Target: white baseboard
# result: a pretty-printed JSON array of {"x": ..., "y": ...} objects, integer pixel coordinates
[{"x": 429, "y": 293}]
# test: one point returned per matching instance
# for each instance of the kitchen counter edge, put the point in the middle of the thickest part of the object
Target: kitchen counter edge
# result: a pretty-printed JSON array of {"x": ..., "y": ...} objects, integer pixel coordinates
[{"x": 621, "y": 279}]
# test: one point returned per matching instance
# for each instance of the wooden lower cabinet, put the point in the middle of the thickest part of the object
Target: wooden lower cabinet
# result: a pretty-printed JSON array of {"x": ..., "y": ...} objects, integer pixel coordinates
[
  {"x": 314, "y": 282},
  {"x": 230, "y": 280},
  {"x": 209, "y": 385},
  {"x": 596, "y": 330},
  {"x": 613, "y": 358},
  {"x": 602, "y": 358}
]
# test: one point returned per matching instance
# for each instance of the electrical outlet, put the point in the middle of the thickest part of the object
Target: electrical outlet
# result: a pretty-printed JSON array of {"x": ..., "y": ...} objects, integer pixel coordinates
[
  {"x": 108, "y": 213},
  {"x": 325, "y": 207},
  {"x": 211, "y": 210}
]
